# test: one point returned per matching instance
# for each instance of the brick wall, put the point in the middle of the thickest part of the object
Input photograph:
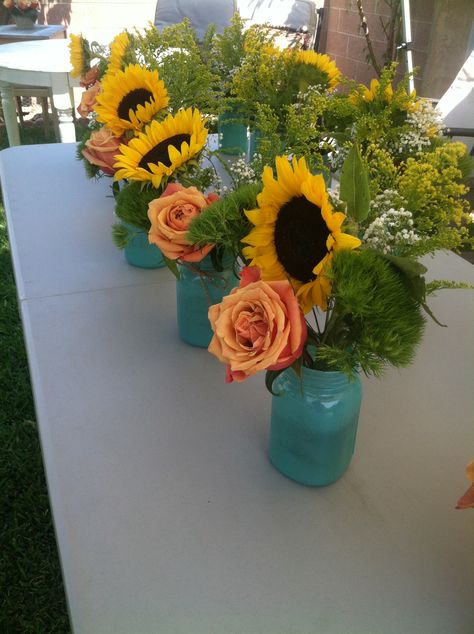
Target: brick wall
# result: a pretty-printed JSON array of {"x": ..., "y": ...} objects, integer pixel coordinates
[{"x": 343, "y": 38}]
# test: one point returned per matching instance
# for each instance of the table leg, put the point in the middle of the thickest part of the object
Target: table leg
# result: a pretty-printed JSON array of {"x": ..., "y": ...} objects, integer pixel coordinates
[
  {"x": 9, "y": 114},
  {"x": 63, "y": 104}
]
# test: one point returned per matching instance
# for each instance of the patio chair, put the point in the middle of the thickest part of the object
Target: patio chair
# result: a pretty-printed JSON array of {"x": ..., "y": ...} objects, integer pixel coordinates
[
  {"x": 297, "y": 22},
  {"x": 457, "y": 105},
  {"x": 201, "y": 13}
]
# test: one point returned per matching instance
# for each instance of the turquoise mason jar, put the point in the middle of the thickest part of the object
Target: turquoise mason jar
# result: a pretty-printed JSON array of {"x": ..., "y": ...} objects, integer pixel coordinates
[
  {"x": 232, "y": 135},
  {"x": 199, "y": 286},
  {"x": 139, "y": 252},
  {"x": 314, "y": 425}
]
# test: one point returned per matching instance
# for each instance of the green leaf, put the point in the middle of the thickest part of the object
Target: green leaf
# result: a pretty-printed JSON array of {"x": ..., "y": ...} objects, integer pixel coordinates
[
  {"x": 411, "y": 268},
  {"x": 412, "y": 271},
  {"x": 270, "y": 376},
  {"x": 428, "y": 310},
  {"x": 115, "y": 189},
  {"x": 354, "y": 190},
  {"x": 172, "y": 265}
]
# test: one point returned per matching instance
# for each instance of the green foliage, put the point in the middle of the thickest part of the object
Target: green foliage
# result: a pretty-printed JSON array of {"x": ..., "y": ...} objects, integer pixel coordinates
[
  {"x": 226, "y": 54},
  {"x": 120, "y": 235},
  {"x": 92, "y": 171},
  {"x": 224, "y": 222},
  {"x": 465, "y": 165},
  {"x": 354, "y": 188},
  {"x": 172, "y": 265},
  {"x": 437, "y": 285},
  {"x": 304, "y": 134},
  {"x": 375, "y": 320},
  {"x": 260, "y": 73},
  {"x": 270, "y": 376},
  {"x": 432, "y": 184},
  {"x": 381, "y": 169},
  {"x": 175, "y": 52},
  {"x": 131, "y": 204},
  {"x": 192, "y": 173}
]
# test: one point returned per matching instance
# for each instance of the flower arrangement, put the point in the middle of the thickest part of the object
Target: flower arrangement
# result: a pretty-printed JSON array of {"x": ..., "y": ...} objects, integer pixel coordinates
[
  {"x": 28, "y": 8},
  {"x": 330, "y": 282},
  {"x": 366, "y": 308},
  {"x": 268, "y": 82},
  {"x": 274, "y": 77},
  {"x": 140, "y": 132}
]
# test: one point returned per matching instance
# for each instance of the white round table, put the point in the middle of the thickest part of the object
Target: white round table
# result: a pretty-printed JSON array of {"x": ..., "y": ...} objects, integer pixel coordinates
[{"x": 38, "y": 63}]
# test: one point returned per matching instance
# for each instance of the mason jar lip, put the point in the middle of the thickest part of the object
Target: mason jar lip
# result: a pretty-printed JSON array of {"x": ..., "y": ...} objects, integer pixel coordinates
[{"x": 312, "y": 374}]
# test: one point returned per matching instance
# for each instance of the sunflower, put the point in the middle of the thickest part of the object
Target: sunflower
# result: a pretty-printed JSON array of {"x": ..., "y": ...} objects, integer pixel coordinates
[
  {"x": 118, "y": 49},
  {"x": 130, "y": 98},
  {"x": 162, "y": 147},
  {"x": 322, "y": 63},
  {"x": 76, "y": 55},
  {"x": 367, "y": 95},
  {"x": 295, "y": 231}
]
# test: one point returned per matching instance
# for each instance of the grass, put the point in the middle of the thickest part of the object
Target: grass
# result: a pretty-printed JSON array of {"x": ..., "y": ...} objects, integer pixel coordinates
[{"x": 32, "y": 599}]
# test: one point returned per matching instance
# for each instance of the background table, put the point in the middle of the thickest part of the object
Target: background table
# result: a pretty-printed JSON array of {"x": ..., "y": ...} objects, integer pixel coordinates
[
  {"x": 169, "y": 516},
  {"x": 38, "y": 63},
  {"x": 11, "y": 33}
]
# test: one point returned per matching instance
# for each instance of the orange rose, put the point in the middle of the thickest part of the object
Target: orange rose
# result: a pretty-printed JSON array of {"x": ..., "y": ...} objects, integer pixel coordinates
[
  {"x": 89, "y": 79},
  {"x": 8, "y": 4},
  {"x": 258, "y": 326},
  {"x": 101, "y": 150},
  {"x": 88, "y": 99},
  {"x": 466, "y": 501},
  {"x": 170, "y": 216}
]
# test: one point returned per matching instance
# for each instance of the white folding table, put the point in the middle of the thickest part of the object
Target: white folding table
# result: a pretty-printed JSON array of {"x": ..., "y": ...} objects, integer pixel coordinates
[
  {"x": 38, "y": 63},
  {"x": 168, "y": 514}
]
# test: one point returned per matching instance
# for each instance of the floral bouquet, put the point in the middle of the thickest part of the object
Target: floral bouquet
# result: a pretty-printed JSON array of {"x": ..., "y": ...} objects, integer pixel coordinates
[
  {"x": 27, "y": 8},
  {"x": 365, "y": 306},
  {"x": 267, "y": 86},
  {"x": 135, "y": 135},
  {"x": 154, "y": 148},
  {"x": 316, "y": 306}
]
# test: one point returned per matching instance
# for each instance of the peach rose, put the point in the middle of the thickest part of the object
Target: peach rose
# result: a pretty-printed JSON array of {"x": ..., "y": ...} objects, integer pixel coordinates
[
  {"x": 101, "y": 150},
  {"x": 466, "y": 501},
  {"x": 89, "y": 99},
  {"x": 89, "y": 78},
  {"x": 8, "y": 4},
  {"x": 258, "y": 326},
  {"x": 170, "y": 216}
]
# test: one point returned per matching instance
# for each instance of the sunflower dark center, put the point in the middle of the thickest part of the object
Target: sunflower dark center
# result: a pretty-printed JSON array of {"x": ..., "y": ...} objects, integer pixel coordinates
[
  {"x": 300, "y": 238},
  {"x": 133, "y": 99},
  {"x": 159, "y": 153}
]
